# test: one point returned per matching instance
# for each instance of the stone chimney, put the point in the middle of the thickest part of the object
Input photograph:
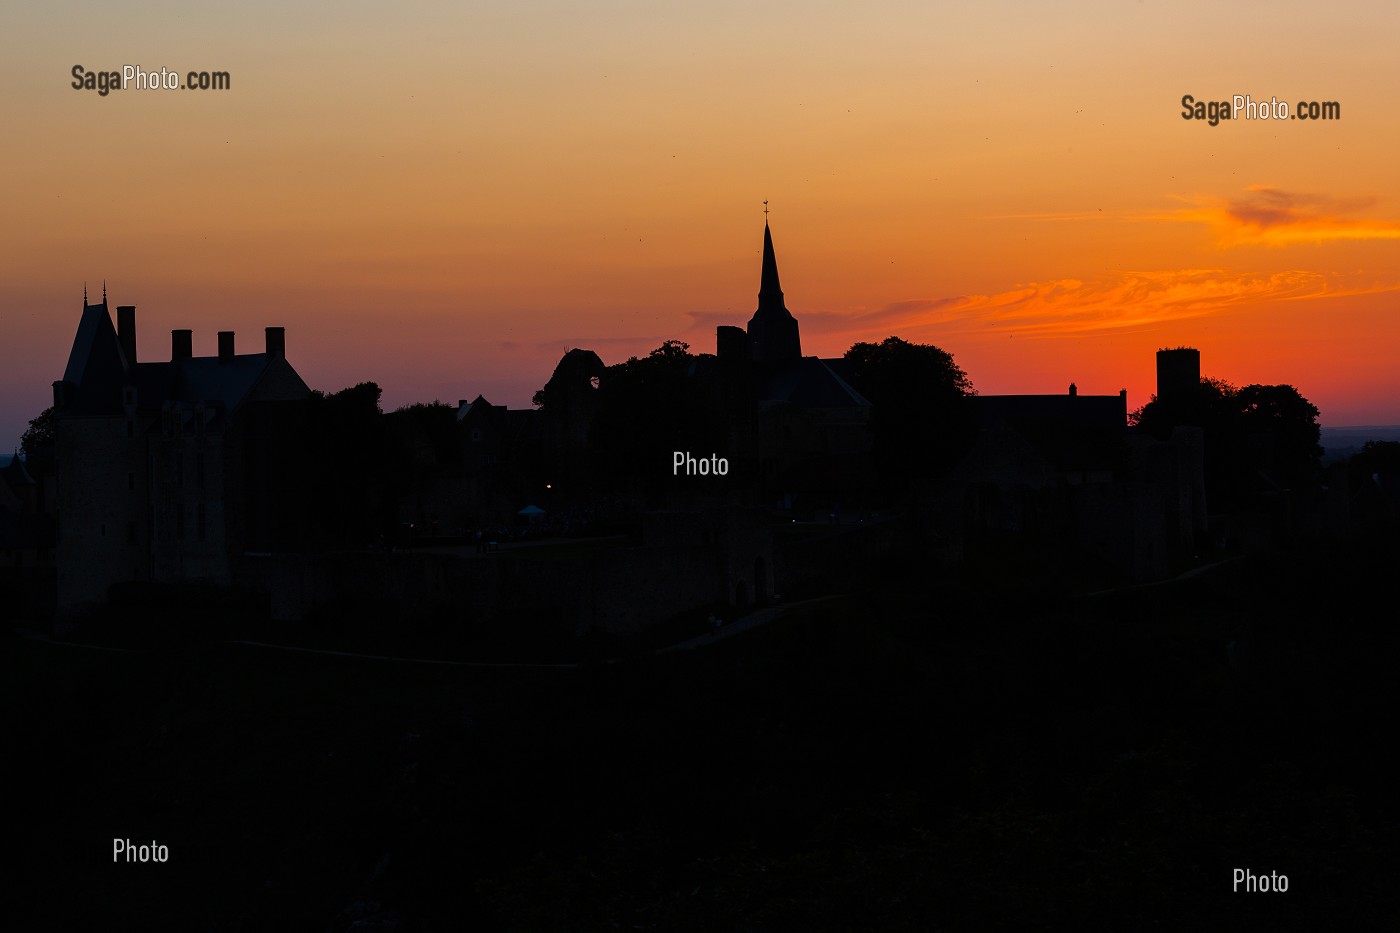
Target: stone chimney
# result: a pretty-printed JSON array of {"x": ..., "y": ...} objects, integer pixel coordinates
[
  {"x": 225, "y": 346},
  {"x": 181, "y": 345},
  {"x": 126, "y": 332},
  {"x": 276, "y": 343},
  {"x": 1073, "y": 389}
]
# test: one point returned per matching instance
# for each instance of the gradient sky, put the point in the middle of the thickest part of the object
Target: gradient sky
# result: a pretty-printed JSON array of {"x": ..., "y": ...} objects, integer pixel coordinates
[{"x": 443, "y": 197}]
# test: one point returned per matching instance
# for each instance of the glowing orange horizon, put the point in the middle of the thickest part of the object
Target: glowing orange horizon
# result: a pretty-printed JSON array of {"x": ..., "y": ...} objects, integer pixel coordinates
[{"x": 442, "y": 200}]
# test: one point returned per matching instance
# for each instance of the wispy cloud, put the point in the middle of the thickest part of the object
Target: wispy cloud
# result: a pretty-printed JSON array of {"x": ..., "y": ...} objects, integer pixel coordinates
[
  {"x": 707, "y": 321},
  {"x": 1274, "y": 217},
  {"x": 1070, "y": 307}
]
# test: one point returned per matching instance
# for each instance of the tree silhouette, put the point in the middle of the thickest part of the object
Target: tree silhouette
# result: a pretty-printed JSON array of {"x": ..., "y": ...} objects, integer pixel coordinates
[
  {"x": 39, "y": 434},
  {"x": 895, "y": 370},
  {"x": 1254, "y": 436},
  {"x": 919, "y": 422},
  {"x": 349, "y": 464},
  {"x": 426, "y": 433},
  {"x": 651, "y": 406},
  {"x": 1379, "y": 456},
  {"x": 1289, "y": 422}
]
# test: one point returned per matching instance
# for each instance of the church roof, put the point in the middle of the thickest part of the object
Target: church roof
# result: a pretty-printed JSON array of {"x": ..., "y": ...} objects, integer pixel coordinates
[{"x": 808, "y": 382}]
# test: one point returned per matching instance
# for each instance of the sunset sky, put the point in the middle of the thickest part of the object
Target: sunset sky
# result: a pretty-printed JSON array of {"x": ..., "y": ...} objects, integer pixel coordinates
[{"x": 443, "y": 197}]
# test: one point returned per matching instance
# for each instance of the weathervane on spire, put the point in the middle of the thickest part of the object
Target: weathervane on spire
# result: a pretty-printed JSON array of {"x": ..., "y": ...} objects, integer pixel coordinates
[
  {"x": 104, "y": 291},
  {"x": 765, "y": 210},
  {"x": 84, "y": 294}
]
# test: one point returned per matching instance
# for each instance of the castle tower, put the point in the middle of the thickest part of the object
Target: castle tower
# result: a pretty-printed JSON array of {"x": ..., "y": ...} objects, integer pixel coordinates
[
  {"x": 1178, "y": 372},
  {"x": 772, "y": 329}
]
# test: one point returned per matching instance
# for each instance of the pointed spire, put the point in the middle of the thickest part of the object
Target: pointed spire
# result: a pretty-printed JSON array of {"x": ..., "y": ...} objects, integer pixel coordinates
[
  {"x": 769, "y": 290},
  {"x": 773, "y": 336},
  {"x": 104, "y": 291},
  {"x": 84, "y": 294}
]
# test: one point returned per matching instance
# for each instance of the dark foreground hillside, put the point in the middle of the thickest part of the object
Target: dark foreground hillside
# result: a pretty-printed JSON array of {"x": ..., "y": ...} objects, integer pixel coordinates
[{"x": 926, "y": 756}]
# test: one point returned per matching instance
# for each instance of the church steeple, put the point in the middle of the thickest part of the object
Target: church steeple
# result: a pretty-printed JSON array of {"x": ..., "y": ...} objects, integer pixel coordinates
[
  {"x": 772, "y": 329},
  {"x": 769, "y": 291}
]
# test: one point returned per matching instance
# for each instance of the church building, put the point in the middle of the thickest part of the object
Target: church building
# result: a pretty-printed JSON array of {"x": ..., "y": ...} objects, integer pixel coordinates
[{"x": 806, "y": 434}]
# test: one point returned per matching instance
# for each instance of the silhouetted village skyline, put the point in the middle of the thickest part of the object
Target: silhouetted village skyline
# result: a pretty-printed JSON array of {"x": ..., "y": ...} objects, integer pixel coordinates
[
  {"x": 734, "y": 640},
  {"x": 229, "y": 471}
]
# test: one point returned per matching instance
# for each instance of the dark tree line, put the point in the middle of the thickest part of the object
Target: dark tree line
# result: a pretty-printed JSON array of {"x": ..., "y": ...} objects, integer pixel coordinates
[
  {"x": 651, "y": 406},
  {"x": 348, "y": 467},
  {"x": 919, "y": 423},
  {"x": 1257, "y": 438}
]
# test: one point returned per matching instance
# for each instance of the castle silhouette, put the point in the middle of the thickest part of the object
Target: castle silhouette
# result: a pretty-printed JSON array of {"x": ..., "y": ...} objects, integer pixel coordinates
[
  {"x": 167, "y": 471},
  {"x": 180, "y": 471}
]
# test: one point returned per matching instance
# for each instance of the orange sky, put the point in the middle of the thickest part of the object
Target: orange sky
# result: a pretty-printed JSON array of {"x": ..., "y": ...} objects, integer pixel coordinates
[{"x": 443, "y": 200}]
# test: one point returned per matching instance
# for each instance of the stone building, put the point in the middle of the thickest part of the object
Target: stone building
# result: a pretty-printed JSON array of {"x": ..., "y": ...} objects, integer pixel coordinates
[
  {"x": 795, "y": 424},
  {"x": 1063, "y": 475},
  {"x": 167, "y": 471}
]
